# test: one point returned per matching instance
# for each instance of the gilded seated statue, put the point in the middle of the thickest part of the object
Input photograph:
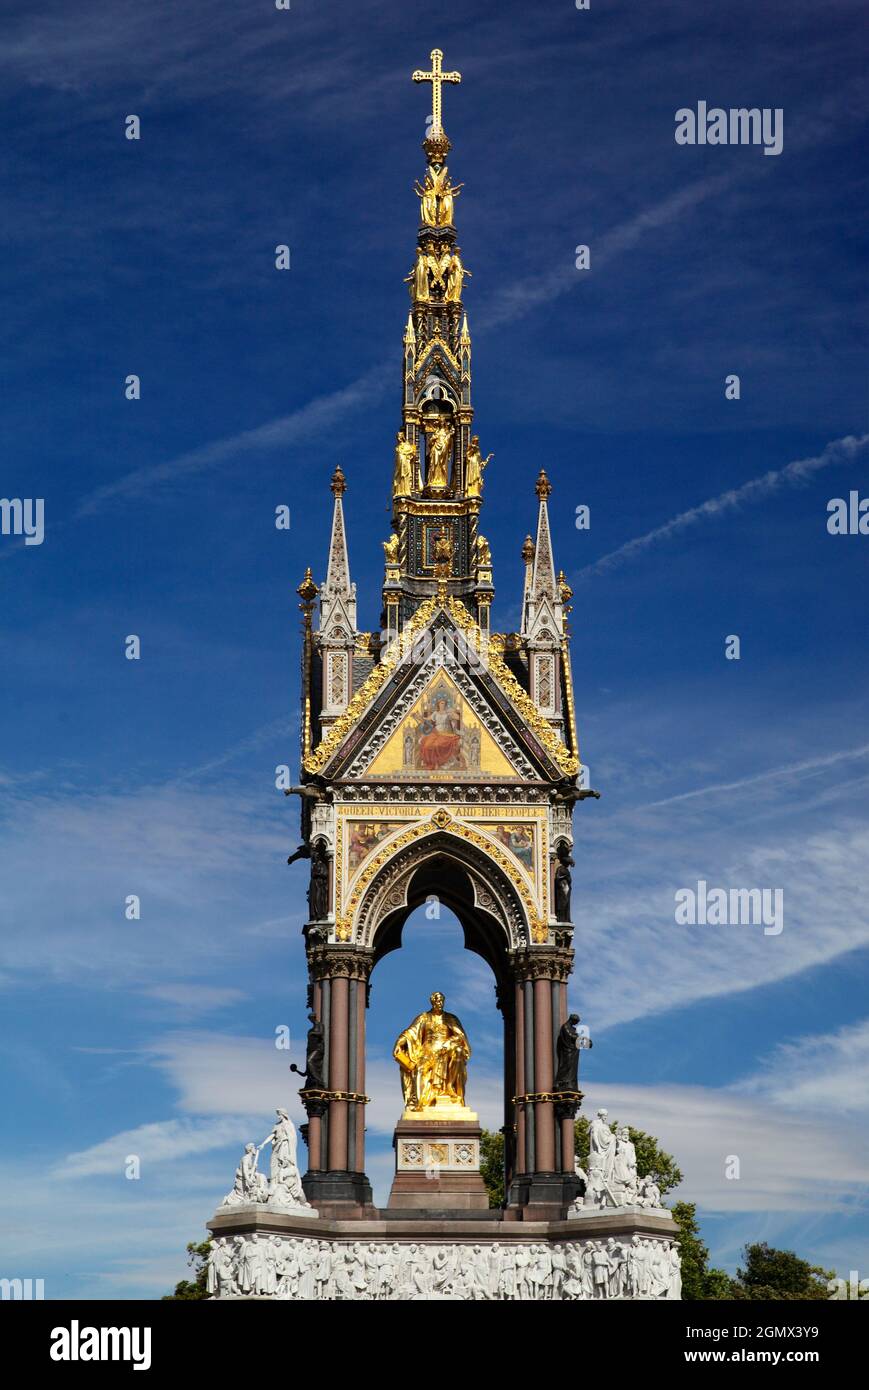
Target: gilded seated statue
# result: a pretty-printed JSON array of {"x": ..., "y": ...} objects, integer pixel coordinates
[{"x": 432, "y": 1054}]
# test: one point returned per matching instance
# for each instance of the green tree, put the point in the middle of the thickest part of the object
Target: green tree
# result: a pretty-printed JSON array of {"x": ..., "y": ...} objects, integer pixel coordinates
[
  {"x": 197, "y": 1258},
  {"x": 779, "y": 1275},
  {"x": 492, "y": 1166},
  {"x": 698, "y": 1280}
]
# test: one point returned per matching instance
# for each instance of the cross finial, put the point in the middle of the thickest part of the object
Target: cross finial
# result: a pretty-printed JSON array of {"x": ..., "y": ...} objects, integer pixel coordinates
[{"x": 436, "y": 77}]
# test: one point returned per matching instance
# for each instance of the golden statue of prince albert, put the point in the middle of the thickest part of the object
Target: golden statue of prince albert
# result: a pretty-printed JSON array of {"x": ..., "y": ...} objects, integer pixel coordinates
[{"x": 432, "y": 1054}]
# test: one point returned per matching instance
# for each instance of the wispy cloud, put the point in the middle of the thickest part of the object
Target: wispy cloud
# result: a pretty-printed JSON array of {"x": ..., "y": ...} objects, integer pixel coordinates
[
  {"x": 161, "y": 1142},
  {"x": 517, "y": 300},
  {"x": 849, "y": 449},
  {"x": 315, "y": 417},
  {"x": 823, "y": 1075},
  {"x": 628, "y": 897},
  {"x": 307, "y": 422},
  {"x": 807, "y": 766},
  {"x": 787, "y": 1160}
]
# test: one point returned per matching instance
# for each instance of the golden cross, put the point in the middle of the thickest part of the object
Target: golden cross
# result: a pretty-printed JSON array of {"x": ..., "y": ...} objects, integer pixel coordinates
[{"x": 436, "y": 77}]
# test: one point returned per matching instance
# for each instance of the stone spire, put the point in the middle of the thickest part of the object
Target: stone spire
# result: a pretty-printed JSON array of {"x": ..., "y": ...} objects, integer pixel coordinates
[
  {"x": 528, "y": 561},
  {"x": 543, "y": 575},
  {"x": 543, "y": 620},
  {"x": 337, "y": 615},
  {"x": 337, "y": 592}
]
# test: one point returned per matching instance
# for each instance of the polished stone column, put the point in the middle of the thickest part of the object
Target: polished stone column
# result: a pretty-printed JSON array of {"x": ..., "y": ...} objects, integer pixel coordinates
[
  {"x": 336, "y": 1174},
  {"x": 543, "y": 1183}
]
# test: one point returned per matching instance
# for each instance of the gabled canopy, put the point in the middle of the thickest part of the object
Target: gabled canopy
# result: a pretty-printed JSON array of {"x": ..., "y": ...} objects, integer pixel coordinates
[{"x": 442, "y": 705}]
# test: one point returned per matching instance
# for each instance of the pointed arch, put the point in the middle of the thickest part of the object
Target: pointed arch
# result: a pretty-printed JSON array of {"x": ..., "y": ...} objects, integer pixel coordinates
[{"x": 454, "y": 863}]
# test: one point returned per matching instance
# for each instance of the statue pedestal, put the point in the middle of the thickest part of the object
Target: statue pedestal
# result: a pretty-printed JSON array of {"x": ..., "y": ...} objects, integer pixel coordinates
[{"x": 437, "y": 1161}]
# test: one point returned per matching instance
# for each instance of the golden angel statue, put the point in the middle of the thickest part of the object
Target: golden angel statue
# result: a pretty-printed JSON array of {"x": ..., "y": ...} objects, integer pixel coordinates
[
  {"x": 475, "y": 465},
  {"x": 432, "y": 1054},
  {"x": 404, "y": 472},
  {"x": 418, "y": 278},
  {"x": 390, "y": 550},
  {"x": 484, "y": 553},
  {"x": 455, "y": 278},
  {"x": 447, "y": 192},
  {"x": 439, "y": 443},
  {"x": 436, "y": 195},
  {"x": 427, "y": 193}
]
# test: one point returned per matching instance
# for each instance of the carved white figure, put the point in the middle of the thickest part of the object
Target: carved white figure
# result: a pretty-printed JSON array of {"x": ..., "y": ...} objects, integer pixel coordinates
[
  {"x": 559, "y": 1270},
  {"x": 624, "y": 1170},
  {"x": 675, "y": 1284},
  {"x": 250, "y": 1185},
  {"x": 220, "y": 1280},
  {"x": 573, "y": 1286},
  {"x": 507, "y": 1276},
  {"x": 523, "y": 1259},
  {"x": 601, "y": 1271},
  {"x": 601, "y": 1151},
  {"x": 323, "y": 1276},
  {"x": 660, "y": 1270},
  {"x": 649, "y": 1194},
  {"x": 285, "y": 1186}
]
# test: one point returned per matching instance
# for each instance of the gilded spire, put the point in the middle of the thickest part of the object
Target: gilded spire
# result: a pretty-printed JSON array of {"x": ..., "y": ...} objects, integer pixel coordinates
[
  {"x": 543, "y": 486},
  {"x": 307, "y": 590}
]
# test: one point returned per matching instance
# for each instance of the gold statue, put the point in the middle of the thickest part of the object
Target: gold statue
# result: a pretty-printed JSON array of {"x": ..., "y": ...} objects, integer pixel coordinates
[
  {"x": 475, "y": 466},
  {"x": 439, "y": 443},
  {"x": 428, "y": 195},
  {"x": 390, "y": 550},
  {"x": 439, "y": 269},
  {"x": 418, "y": 278},
  {"x": 436, "y": 195},
  {"x": 432, "y": 1054},
  {"x": 455, "y": 278},
  {"x": 447, "y": 192},
  {"x": 484, "y": 553},
  {"x": 404, "y": 473}
]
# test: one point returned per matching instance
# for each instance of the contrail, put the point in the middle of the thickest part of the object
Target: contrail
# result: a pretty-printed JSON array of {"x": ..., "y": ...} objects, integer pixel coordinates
[
  {"x": 847, "y": 450},
  {"x": 790, "y": 770},
  {"x": 317, "y": 414}
]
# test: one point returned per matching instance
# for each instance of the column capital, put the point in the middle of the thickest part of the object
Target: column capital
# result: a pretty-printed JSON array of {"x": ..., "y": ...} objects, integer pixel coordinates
[
  {"x": 329, "y": 962},
  {"x": 546, "y": 963}
]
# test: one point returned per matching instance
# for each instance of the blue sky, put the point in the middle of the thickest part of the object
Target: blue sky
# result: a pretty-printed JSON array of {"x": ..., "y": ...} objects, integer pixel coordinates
[{"x": 156, "y": 777}]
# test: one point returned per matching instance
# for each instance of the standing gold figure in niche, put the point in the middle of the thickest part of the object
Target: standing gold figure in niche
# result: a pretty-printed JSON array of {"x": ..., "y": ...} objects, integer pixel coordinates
[
  {"x": 433, "y": 1056},
  {"x": 475, "y": 465},
  {"x": 439, "y": 443},
  {"x": 404, "y": 471}
]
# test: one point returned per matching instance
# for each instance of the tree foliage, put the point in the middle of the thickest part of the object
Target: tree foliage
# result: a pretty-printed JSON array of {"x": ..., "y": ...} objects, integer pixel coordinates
[
  {"x": 197, "y": 1258},
  {"x": 492, "y": 1166},
  {"x": 778, "y": 1275}
]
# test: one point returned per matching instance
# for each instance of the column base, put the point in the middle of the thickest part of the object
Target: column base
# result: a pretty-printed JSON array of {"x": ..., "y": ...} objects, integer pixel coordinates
[
  {"x": 542, "y": 1196},
  {"x": 337, "y": 1194}
]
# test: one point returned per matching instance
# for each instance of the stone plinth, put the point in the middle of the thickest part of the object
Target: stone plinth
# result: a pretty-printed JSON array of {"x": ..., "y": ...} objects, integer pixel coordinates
[
  {"x": 617, "y": 1254},
  {"x": 437, "y": 1163}
]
